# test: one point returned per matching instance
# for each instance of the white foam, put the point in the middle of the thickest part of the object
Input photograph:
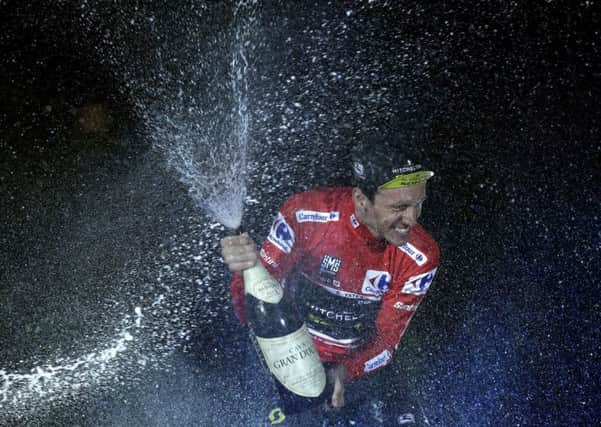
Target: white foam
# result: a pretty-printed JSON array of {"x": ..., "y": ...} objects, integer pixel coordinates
[{"x": 26, "y": 392}]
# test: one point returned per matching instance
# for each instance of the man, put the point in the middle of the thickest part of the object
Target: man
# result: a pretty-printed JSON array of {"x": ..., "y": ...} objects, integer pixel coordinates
[{"x": 355, "y": 260}]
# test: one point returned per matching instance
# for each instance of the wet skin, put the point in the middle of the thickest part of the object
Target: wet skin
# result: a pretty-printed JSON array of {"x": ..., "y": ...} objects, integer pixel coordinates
[{"x": 393, "y": 212}]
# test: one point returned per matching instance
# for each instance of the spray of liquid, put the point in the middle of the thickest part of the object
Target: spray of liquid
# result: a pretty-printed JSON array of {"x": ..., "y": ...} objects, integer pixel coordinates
[
  {"x": 206, "y": 145},
  {"x": 54, "y": 381}
]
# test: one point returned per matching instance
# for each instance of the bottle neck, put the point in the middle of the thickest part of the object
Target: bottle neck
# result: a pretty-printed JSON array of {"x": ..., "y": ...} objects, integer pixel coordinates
[{"x": 262, "y": 285}]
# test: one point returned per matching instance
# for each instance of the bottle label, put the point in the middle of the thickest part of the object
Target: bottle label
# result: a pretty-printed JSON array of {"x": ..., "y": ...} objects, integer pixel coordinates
[
  {"x": 294, "y": 361},
  {"x": 261, "y": 285}
]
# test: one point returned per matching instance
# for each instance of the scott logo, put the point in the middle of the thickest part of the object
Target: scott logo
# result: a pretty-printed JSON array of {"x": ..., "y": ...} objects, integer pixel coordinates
[{"x": 276, "y": 416}]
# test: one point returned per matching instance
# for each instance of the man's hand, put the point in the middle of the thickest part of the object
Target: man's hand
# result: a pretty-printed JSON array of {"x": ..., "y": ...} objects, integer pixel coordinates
[
  {"x": 239, "y": 252},
  {"x": 337, "y": 376}
]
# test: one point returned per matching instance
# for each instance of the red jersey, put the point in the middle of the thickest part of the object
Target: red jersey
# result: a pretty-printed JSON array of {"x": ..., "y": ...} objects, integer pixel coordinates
[{"x": 356, "y": 292}]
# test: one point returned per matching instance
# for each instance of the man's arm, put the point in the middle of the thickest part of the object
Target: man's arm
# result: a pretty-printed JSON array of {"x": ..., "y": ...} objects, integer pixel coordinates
[
  {"x": 398, "y": 307},
  {"x": 279, "y": 253}
]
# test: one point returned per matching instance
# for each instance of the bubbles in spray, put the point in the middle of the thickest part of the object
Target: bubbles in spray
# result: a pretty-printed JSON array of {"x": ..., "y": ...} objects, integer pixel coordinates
[
  {"x": 202, "y": 129},
  {"x": 64, "y": 377},
  {"x": 204, "y": 136}
]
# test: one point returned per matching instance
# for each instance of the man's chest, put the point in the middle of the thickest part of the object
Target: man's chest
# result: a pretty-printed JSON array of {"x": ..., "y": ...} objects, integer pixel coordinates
[{"x": 349, "y": 268}]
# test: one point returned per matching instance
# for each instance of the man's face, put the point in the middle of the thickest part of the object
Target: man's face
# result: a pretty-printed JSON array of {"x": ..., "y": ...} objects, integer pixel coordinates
[{"x": 394, "y": 212}]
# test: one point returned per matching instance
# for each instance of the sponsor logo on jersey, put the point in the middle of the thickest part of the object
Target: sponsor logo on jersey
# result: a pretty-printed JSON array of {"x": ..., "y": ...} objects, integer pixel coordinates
[
  {"x": 400, "y": 306},
  {"x": 417, "y": 256},
  {"x": 361, "y": 298},
  {"x": 329, "y": 281},
  {"x": 330, "y": 265},
  {"x": 378, "y": 361},
  {"x": 351, "y": 295},
  {"x": 269, "y": 260},
  {"x": 376, "y": 282},
  {"x": 418, "y": 285},
  {"x": 315, "y": 216},
  {"x": 354, "y": 221},
  {"x": 343, "y": 316},
  {"x": 281, "y": 235}
]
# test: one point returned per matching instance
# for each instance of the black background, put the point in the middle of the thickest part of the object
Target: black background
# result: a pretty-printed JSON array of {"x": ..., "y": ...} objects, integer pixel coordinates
[{"x": 502, "y": 95}]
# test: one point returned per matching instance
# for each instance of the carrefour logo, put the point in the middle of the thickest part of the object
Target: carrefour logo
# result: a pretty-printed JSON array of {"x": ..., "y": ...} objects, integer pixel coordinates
[
  {"x": 417, "y": 256},
  {"x": 315, "y": 216},
  {"x": 419, "y": 285},
  {"x": 376, "y": 282},
  {"x": 281, "y": 234}
]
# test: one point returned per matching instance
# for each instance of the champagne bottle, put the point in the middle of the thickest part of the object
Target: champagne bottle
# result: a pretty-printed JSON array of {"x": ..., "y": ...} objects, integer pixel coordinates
[{"x": 282, "y": 336}]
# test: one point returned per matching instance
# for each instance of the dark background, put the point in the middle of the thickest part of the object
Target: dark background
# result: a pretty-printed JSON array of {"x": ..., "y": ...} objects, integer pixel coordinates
[{"x": 502, "y": 95}]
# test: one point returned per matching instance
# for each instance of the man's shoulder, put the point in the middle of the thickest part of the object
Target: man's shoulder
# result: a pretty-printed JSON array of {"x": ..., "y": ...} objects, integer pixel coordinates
[
  {"x": 421, "y": 236},
  {"x": 324, "y": 198},
  {"x": 421, "y": 247}
]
